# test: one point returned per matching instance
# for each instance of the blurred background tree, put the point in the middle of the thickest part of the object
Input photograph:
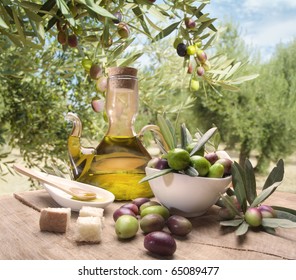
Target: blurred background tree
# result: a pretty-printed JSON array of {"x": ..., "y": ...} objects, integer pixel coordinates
[{"x": 44, "y": 76}]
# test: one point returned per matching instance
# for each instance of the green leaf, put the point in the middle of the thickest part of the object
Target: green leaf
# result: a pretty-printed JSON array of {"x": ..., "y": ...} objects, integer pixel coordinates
[
  {"x": 138, "y": 12},
  {"x": 172, "y": 130},
  {"x": 288, "y": 210},
  {"x": 205, "y": 24},
  {"x": 191, "y": 171},
  {"x": 285, "y": 215},
  {"x": 203, "y": 140},
  {"x": 156, "y": 174},
  {"x": 229, "y": 204},
  {"x": 153, "y": 25},
  {"x": 243, "y": 79},
  {"x": 276, "y": 174},
  {"x": 13, "y": 38},
  {"x": 274, "y": 223},
  {"x": 96, "y": 8},
  {"x": 167, "y": 31},
  {"x": 231, "y": 223},
  {"x": 130, "y": 60},
  {"x": 264, "y": 194},
  {"x": 250, "y": 181},
  {"x": 186, "y": 137},
  {"x": 3, "y": 24},
  {"x": 166, "y": 132},
  {"x": 18, "y": 26},
  {"x": 238, "y": 181},
  {"x": 269, "y": 230},
  {"x": 47, "y": 6},
  {"x": 242, "y": 229},
  {"x": 65, "y": 11}
]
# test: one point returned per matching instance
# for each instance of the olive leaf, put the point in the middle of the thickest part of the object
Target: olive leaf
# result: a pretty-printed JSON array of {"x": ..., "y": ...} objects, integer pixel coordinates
[
  {"x": 232, "y": 223},
  {"x": 238, "y": 181},
  {"x": 186, "y": 137},
  {"x": 156, "y": 174},
  {"x": 264, "y": 194},
  {"x": 284, "y": 209},
  {"x": 251, "y": 192},
  {"x": 276, "y": 174},
  {"x": 285, "y": 213},
  {"x": 166, "y": 132},
  {"x": 275, "y": 222},
  {"x": 229, "y": 204},
  {"x": 65, "y": 11},
  {"x": 269, "y": 230},
  {"x": 242, "y": 229},
  {"x": 167, "y": 31},
  {"x": 96, "y": 8},
  {"x": 191, "y": 171},
  {"x": 203, "y": 140},
  {"x": 139, "y": 14}
]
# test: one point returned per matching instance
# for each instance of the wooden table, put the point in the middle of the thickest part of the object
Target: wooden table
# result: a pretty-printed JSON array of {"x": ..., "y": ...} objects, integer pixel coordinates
[{"x": 21, "y": 238}]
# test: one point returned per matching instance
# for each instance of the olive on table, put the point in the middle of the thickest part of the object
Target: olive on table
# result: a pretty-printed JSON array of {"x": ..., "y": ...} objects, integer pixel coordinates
[
  {"x": 140, "y": 200},
  {"x": 152, "y": 222},
  {"x": 160, "y": 242},
  {"x": 122, "y": 211},
  {"x": 126, "y": 226},
  {"x": 179, "y": 225}
]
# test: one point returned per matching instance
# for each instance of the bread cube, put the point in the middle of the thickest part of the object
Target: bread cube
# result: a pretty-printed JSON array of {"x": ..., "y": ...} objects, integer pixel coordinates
[
  {"x": 89, "y": 211},
  {"x": 88, "y": 229},
  {"x": 55, "y": 219}
]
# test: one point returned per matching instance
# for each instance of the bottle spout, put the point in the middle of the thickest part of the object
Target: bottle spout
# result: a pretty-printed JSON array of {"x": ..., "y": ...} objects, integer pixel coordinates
[
  {"x": 77, "y": 125},
  {"x": 79, "y": 163}
]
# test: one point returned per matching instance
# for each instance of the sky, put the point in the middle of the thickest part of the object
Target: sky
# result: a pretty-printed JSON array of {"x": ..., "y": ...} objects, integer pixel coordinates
[{"x": 263, "y": 23}]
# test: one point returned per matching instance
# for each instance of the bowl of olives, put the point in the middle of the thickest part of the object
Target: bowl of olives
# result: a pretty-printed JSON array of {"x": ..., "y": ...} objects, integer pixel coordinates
[{"x": 190, "y": 195}]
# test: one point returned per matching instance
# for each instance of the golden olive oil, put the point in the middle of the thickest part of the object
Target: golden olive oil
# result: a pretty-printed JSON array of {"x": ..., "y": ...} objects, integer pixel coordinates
[{"x": 118, "y": 165}]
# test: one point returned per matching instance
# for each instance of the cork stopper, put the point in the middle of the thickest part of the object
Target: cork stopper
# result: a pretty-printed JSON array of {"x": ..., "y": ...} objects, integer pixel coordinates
[
  {"x": 122, "y": 77},
  {"x": 126, "y": 71}
]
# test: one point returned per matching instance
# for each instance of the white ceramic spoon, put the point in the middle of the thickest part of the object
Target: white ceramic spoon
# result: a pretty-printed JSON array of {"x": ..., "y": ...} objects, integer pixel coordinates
[{"x": 57, "y": 182}]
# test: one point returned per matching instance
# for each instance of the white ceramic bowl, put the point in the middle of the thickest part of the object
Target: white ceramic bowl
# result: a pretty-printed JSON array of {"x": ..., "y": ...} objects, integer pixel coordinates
[
  {"x": 65, "y": 200},
  {"x": 185, "y": 195}
]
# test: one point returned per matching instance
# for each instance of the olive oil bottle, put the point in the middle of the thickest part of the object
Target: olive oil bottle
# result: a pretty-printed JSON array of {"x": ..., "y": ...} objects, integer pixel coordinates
[{"x": 118, "y": 163}]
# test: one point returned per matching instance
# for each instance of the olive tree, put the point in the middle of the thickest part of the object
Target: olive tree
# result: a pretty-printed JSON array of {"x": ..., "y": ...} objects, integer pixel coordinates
[{"x": 55, "y": 52}]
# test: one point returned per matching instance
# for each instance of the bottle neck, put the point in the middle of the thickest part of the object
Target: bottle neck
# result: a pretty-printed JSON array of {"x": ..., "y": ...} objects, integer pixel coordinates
[{"x": 122, "y": 105}]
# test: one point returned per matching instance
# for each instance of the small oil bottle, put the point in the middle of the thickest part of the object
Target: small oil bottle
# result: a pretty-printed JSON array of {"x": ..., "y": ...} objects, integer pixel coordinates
[{"x": 119, "y": 161}]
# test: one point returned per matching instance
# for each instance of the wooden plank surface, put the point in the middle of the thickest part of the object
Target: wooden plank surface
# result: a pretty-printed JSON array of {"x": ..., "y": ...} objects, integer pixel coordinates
[{"x": 21, "y": 238}]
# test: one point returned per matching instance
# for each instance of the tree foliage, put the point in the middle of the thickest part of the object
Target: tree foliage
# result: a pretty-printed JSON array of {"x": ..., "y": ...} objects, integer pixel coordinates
[{"x": 259, "y": 118}]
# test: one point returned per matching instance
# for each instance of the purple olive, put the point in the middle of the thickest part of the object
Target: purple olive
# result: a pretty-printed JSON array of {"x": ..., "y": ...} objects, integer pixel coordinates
[
  {"x": 190, "y": 23},
  {"x": 162, "y": 164},
  {"x": 132, "y": 207},
  {"x": 212, "y": 157},
  {"x": 227, "y": 163},
  {"x": 140, "y": 200},
  {"x": 160, "y": 242},
  {"x": 267, "y": 211},
  {"x": 122, "y": 211},
  {"x": 202, "y": 56},
  {"x": 200, "y": 71},
  {"x": 226, "y": 214},
  {"x": 152, "y": 222},
  {"x": 253, "y": 217},
  {"x": 182, "y": 49},
  {"x": 95, "y": 71},
  {"x": 118, "y": 16},
  {"x": 152, "y": 162},
  {"x": 179, "y": 225}
]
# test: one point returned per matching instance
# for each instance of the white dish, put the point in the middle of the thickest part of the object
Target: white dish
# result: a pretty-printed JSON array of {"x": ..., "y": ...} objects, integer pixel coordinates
[{"x": 65, "y": 200}]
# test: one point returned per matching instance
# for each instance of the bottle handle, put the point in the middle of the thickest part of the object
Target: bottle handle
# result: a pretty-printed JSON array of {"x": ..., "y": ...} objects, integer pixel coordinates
[{"x": 155, "y": 129}]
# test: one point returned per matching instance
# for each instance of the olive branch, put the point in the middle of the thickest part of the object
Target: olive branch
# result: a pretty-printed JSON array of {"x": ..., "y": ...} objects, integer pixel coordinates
[{"x": 244, "y": 210}]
